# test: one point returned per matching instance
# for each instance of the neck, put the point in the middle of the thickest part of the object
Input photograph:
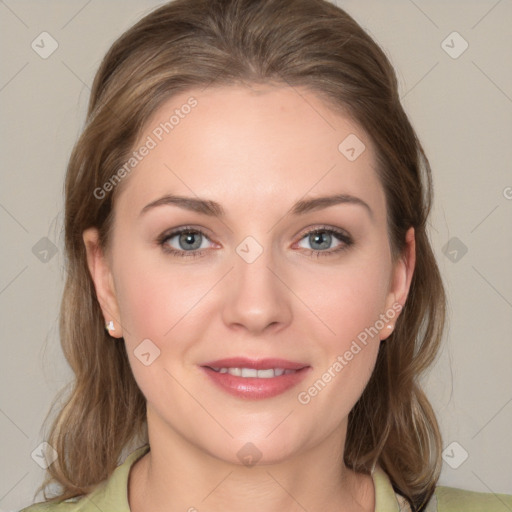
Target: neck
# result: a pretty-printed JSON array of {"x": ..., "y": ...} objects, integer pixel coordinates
[{"x": 177, "y": 475}]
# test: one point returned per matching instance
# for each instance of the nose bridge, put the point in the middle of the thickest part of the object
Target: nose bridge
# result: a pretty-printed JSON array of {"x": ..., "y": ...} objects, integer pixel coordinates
[{"x": 257, "y": 297}]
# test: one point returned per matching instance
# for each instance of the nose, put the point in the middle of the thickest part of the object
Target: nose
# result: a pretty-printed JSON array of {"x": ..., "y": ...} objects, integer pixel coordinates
[{"x": 258, "y": 299}]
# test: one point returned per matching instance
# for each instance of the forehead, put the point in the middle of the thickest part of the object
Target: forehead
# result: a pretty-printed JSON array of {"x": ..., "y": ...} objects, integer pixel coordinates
[{"x": 261, "y": 145}]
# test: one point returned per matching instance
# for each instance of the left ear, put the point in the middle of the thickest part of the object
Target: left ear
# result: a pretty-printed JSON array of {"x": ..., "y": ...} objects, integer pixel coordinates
[{"x": 401, "y": 282}]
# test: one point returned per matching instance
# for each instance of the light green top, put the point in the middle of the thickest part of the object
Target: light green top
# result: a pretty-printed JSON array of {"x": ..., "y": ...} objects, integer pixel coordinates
[{"x": 111, "y": 495}]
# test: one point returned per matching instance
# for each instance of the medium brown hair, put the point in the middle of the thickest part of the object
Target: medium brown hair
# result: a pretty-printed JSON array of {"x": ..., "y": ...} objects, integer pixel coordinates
[{"x": 192, "y": 43}]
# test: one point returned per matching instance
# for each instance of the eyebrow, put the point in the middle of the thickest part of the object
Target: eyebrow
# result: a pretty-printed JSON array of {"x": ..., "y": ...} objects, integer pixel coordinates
[{"x": 214, "y": 209}]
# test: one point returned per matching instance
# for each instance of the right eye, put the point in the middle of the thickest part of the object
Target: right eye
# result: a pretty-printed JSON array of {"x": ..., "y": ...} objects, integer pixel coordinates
[{"x": 188, "y": 242}]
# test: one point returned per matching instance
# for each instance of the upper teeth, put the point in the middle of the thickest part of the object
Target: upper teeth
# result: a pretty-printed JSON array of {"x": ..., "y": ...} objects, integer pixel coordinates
[{"x": 252, "y": 372}]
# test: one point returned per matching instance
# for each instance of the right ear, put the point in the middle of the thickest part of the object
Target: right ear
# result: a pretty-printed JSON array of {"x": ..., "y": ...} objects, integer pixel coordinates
[{"x": 101, "y": 274}]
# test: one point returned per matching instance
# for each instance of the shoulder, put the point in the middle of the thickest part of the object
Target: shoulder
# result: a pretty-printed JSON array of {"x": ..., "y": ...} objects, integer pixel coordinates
[
  {"x": 109, "y": 496},
  {"x": 450, "y": 499}
]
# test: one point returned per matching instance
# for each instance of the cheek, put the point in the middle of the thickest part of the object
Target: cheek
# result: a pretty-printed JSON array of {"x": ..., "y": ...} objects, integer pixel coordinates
[
  {"x": 157, "y": 302},
  {"x": 348, "y": 299},
  {"x": 154, "y": 295},
  {"x": 350, "y": 305},
  {"x": 346, "y": 353}
]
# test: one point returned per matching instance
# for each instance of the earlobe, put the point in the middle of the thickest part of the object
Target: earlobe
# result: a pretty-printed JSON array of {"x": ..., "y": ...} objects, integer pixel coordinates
[{"x": 99, "y": 269}]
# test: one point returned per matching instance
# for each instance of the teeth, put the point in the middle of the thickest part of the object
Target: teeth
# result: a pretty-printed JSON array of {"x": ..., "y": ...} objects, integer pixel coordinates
[{"x": 251, "y": 372}]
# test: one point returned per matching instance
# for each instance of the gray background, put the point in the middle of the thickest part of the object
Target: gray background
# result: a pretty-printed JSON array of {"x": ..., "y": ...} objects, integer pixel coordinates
[{"x": 462, "y": 110}]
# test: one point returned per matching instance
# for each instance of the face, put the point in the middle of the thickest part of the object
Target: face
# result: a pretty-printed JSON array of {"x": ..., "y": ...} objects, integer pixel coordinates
[{"x": 313, "y": 285}]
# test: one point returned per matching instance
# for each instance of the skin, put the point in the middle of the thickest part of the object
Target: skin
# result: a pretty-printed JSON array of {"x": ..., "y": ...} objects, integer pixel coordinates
[{"x": 256, "y": 151}]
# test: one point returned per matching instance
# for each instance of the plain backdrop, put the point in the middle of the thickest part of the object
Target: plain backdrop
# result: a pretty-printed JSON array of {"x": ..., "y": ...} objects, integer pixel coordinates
[{"x": 460, "y": 102}]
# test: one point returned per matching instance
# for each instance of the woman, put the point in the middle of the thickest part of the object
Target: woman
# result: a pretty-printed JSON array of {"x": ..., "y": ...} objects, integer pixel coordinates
[{"x": 251, "y": 293}]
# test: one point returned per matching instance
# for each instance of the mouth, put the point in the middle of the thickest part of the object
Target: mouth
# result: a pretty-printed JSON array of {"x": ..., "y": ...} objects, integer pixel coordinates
[{"x": 255, "y": 379}]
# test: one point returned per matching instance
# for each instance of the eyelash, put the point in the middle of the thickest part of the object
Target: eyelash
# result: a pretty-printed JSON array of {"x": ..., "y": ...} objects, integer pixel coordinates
[{"x": 341, "y": 235}]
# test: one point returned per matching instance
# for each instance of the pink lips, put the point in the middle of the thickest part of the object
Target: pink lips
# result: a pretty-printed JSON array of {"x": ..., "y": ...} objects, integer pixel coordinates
[{"x": 253, "y": 387}]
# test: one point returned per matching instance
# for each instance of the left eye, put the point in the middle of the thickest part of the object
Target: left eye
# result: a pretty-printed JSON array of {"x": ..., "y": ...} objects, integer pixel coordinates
[{"x": 320, "y": 239}]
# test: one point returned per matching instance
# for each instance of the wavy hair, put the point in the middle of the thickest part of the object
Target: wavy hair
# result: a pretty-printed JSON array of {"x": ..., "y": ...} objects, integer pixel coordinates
[{"x": 190, "y": 43}]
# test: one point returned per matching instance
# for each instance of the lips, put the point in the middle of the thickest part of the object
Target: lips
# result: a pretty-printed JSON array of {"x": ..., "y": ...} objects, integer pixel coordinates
[{"x": 255, "y": 378}]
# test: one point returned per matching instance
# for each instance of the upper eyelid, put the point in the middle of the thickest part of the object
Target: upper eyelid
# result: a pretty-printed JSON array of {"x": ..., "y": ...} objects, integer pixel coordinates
[{"x": 321, "y": 227}]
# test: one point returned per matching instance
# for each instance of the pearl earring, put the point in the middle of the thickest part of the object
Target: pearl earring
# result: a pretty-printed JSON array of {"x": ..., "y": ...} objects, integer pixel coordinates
[{"x": 110, "y": 326}]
